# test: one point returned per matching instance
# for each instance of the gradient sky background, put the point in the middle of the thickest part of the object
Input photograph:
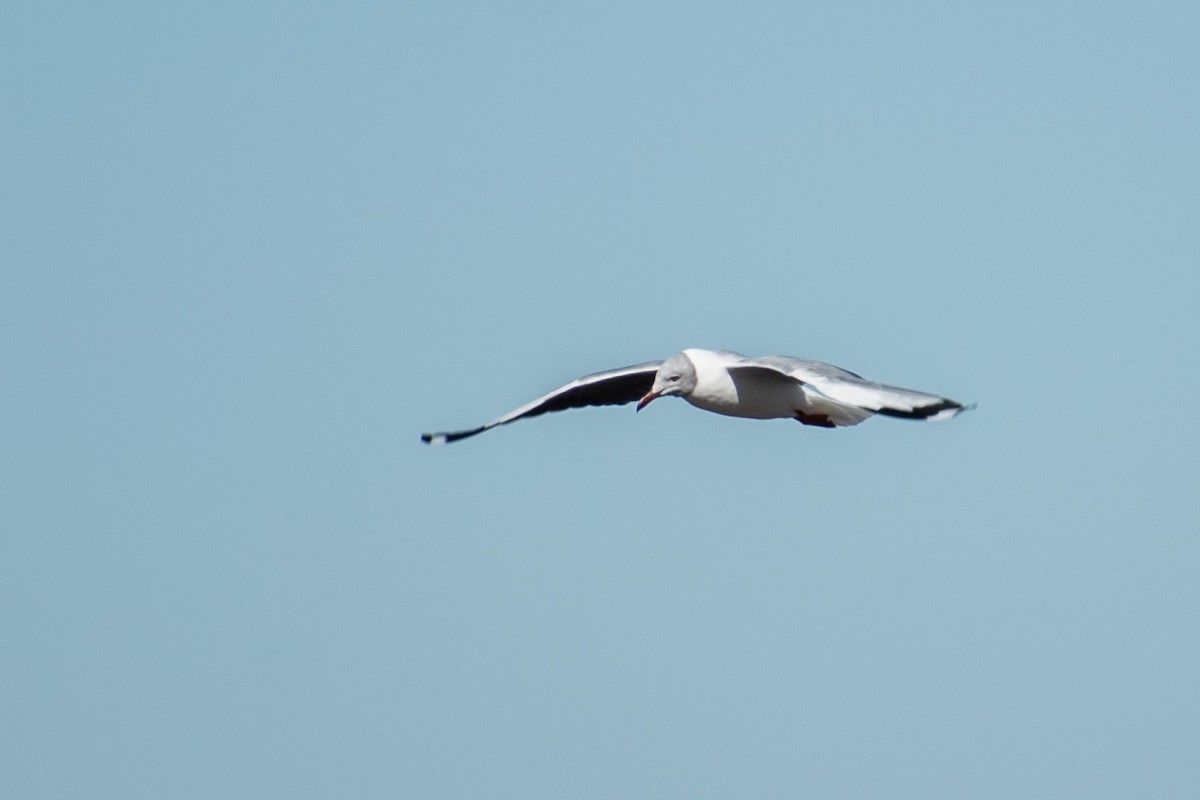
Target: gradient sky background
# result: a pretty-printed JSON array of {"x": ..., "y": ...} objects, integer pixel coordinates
[{"x": 251, "y": 252}]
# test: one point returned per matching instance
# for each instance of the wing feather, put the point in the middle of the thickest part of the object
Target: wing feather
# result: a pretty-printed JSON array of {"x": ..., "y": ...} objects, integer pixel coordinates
[
  {"x": 612, "y": 387},
  {"x": 847, "y": 388}
]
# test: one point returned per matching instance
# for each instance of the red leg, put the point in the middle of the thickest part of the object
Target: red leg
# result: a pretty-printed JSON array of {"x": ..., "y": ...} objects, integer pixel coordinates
[{"x": 819, "y": 420}]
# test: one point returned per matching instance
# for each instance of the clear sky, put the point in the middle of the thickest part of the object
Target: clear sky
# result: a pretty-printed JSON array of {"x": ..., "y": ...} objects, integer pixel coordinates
[{"x": 251, "y": 251}]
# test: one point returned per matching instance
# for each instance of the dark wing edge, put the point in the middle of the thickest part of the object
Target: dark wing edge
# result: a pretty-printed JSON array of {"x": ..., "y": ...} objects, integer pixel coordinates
[
  {"x": 945, "y": 408},
  {"x": 890, "y": 401},
  {"x": 612, "y": 387},
  {"x": 848, "y": 388}
]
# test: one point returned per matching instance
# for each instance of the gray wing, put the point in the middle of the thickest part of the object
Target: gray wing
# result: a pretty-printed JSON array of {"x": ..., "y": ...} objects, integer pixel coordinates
[
  {"x": 848, "y": 389},
  {"x": 613, "y": 387}
]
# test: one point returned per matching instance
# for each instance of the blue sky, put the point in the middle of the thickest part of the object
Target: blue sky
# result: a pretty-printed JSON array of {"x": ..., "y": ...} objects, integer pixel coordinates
[{"x": 251, "y": 252}]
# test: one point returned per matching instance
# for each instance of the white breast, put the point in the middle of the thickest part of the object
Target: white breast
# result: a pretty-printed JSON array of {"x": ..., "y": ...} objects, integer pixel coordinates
[{"x": 749, "y": 397}]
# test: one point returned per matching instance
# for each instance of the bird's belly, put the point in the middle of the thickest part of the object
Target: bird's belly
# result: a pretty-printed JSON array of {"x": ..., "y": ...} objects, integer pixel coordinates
[{"x": 769, "y": 401}]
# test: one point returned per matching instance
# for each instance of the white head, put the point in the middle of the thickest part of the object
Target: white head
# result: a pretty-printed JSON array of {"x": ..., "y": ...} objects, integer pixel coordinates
[{"x": 677, "y": 375}]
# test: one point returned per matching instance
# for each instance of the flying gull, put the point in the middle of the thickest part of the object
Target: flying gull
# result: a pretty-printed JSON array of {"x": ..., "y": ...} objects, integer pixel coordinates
[{"x": 768, "y": 387}]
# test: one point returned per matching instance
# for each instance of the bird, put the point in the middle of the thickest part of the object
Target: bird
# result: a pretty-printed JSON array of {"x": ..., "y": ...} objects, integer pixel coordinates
[{"x": 764, "y": 387}]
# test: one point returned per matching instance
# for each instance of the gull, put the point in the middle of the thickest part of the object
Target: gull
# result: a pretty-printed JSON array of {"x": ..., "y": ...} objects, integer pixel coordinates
[{"x": 724, "y": 382}]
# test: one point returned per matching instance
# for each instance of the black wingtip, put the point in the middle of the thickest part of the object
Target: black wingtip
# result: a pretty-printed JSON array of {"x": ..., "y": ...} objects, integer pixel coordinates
[
  {"x": 943, "y": 410},
  {"x": 437, "y": 438},
  {"x": 446, "y": 438}
]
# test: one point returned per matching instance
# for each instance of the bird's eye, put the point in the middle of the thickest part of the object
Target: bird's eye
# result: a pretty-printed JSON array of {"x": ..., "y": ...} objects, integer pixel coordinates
[{"x": 673, "y": 378}]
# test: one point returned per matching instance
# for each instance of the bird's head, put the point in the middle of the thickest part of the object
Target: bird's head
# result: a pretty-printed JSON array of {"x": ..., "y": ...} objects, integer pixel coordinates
[{"x": 677, "y": 375}]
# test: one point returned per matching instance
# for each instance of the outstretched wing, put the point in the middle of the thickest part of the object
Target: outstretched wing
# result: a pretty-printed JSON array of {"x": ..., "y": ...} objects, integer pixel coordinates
[
  {"x": 845, "y": 388},
  {"x": 613, "y": 387}
]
